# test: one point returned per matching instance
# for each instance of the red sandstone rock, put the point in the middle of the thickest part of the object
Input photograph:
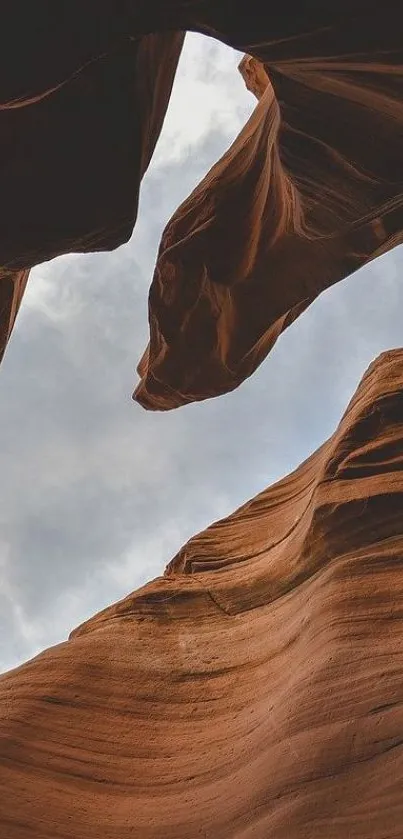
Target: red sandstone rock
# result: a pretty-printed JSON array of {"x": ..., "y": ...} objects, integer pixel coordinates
[
  {"x": 12, "y": 287},
  {"x": 254, "y": 691},
  {"x": 310, "y": 190},
  {"x": 306, "y": 195}
]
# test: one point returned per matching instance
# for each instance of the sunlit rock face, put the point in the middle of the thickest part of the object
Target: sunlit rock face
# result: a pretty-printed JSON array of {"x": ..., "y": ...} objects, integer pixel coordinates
[
  {"x": 256, "y": 690},
  {"x": 309, "y": 191}
]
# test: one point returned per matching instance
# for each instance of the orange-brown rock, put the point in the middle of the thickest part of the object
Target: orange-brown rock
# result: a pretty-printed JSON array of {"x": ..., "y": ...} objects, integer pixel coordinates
[
  {"x": 254, "y": 691},
  {"x": 306, "y": 195},
  {"x": 310, "y": 191},
  {"x": 12, "y": 287}
]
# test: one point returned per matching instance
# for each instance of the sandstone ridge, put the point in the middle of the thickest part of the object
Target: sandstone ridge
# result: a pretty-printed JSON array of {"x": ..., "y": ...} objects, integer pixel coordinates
[{"x": 256, "y": 689}]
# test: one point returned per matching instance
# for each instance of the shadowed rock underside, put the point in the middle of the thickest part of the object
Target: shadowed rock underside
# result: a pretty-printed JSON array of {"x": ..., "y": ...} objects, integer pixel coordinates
[{"x": 310, "y": 191}]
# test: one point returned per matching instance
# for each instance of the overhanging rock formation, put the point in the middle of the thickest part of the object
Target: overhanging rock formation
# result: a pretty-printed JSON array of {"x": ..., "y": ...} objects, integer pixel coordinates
[
  {"x": 254, "y": 691},
  {"x": 301, "y": 200},
  {"x": 310, "y": 191}
]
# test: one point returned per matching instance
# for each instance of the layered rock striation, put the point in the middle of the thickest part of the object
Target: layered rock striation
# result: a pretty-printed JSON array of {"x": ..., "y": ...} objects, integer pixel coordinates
[{"x": 254, "y": 690}]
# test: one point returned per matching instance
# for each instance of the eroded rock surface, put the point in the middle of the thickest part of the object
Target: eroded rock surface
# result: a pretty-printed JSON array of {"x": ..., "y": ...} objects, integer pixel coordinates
[
  {"x": 254, "y": 691},
  {"x": 301, "y": 200},
  {"x": 311, "y": 189}
]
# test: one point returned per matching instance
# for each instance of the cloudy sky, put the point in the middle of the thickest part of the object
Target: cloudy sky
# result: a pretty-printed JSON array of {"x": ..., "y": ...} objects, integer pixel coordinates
[{"x": 96, "y": 494}]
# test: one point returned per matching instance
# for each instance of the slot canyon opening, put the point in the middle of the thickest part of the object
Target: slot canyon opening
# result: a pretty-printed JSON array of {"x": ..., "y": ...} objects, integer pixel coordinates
[{"x": 99, "y": 495}]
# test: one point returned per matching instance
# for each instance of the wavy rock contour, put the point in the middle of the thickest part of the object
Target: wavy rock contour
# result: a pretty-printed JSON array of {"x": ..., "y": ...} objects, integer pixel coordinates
[
  {"x": 310, "y": 191},
  {"x": 254, "y": 691},
  {"x": 301, "y": 200}
]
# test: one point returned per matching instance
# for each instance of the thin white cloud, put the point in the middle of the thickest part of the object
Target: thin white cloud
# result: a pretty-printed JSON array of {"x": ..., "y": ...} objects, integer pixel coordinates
[{"x": 209, "y": 94}]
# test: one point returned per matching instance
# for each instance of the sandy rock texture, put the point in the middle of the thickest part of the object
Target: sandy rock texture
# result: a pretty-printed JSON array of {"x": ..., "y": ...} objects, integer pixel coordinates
[
  {"x": 310, "y": 191},
  {"x": 254, "y": 691}
]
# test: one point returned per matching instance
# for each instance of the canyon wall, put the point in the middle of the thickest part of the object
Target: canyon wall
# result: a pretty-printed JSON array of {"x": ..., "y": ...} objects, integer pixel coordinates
[
  {"x": 310, "y": 191},
  {"x": 253, "y": 691}
]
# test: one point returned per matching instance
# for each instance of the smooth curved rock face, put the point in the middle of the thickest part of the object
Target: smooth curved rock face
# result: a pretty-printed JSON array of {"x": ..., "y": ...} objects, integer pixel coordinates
[
  {"x": 311, "y": 190},
  {"x": 254, "y": 691}
]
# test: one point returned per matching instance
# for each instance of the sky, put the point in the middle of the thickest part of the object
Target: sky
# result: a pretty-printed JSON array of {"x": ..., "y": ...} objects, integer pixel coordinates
[{"x": 97, "y": 495}]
